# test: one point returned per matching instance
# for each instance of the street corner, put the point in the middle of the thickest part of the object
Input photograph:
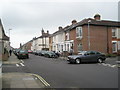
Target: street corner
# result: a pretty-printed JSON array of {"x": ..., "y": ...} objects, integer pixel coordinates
[{"x": 23, "y": 80}]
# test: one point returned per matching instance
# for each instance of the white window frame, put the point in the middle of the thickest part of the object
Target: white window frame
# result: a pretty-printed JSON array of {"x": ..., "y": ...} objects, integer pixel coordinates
[
  {"x": 115, "y": 46},
  {"x": 118, "y": 45},
  {"x": 67, "y": 36},
  {"x": 79, "y": 32}
]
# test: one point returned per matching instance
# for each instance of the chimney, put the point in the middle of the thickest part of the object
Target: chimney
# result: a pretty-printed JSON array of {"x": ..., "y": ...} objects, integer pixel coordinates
[
  {"x": 74, "y": 22},
  {"x": 97, "y": 17},
  {"x": 42, "y": 31},
  {"x": 60, "y": 28},
  {"x": 47, "y": 32}
]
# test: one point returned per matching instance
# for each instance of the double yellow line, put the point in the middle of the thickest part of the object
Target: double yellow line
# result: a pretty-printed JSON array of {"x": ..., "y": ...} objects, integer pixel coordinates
[{"x": 41, "y": 79}]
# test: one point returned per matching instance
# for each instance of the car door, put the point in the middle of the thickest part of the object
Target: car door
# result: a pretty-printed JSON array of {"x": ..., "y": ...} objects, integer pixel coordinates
[
  {"x": 93, "y": 56},
  {"x": 90, "y": 56},
  {"x": 87, "y": 57}
]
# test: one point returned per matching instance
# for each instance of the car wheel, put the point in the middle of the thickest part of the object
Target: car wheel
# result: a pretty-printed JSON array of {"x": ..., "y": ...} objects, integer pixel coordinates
[
  {"x": 100, "y": 60},
  {"x": 48, "y": 56},
  {"x": 78, "y": 61}
]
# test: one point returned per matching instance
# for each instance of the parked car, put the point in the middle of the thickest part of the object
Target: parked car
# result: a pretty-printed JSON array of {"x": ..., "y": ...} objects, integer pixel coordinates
[
  {"x": 23, "y": 54},
  {"x": 42, "y": 53},
  {"x": 50, "y": 54},
  {"x": 30, "y": 51},
  {"x": 37, "y": 52},
  {"x": 87, "y": 56},
  {"x": 16, "y": 51},
  {"x": 34, "y": 52}
]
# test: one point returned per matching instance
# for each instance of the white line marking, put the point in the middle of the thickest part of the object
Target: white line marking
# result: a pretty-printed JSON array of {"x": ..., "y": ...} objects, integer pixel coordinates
[
  {"x": 113, "y": 66},
  {"x": 17, "y": 65},
  {"x": 22, "y": 61},
  {"x": 22, "y": 64}
]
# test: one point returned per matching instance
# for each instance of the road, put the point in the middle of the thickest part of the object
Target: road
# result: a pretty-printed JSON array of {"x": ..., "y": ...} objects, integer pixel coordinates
[{"x": 60, "y": 74}]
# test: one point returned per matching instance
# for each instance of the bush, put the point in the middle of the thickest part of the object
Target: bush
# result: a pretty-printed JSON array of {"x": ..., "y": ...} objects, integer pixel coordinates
[{"x": 111, "y": 55}]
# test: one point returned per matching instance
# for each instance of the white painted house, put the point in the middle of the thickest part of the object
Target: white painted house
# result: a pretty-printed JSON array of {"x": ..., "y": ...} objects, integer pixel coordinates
[{"x": 41, "y": 43}]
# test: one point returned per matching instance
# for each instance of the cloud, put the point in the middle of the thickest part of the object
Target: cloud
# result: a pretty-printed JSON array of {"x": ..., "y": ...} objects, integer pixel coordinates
[{"x": 28, "y": 18}]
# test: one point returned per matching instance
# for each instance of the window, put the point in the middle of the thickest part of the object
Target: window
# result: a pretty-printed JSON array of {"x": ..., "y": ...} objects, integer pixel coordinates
[
  {"x": 114, "y": 32},
  {"x": 61, "y": 47},
  {"x": 97, "y": 53},
  {"x": 67, "y": 36},
  {"x": 67, "y": 47},
  {"x": 79, "y": 47},
  {"x": 92, "y": 53},
  {"x": 79, "y": 32},
  {"x": 114, "y": 46}
]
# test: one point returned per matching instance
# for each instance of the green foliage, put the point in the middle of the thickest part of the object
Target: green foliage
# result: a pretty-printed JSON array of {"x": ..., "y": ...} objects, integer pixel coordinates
[{"x": 111, "y": 55}]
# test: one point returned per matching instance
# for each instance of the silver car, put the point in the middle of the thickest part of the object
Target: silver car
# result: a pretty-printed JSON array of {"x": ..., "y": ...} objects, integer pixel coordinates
[{"x": 87, "y": 56}]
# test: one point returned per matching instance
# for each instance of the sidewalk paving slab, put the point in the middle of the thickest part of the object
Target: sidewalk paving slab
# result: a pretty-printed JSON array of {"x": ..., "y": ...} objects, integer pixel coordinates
[
  {"x": 12, "y": 60},
  {"x": 22, "y": 80}
]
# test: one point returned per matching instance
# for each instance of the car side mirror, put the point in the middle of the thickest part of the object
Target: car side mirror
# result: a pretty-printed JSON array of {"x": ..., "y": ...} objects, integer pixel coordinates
[{"x": 85, "y": 54}]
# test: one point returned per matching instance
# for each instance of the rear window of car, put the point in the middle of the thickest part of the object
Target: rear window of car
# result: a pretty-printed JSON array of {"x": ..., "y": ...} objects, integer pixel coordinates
[
  {"x": 98, "y": 53},
  {"x": 23, "y": 51}
]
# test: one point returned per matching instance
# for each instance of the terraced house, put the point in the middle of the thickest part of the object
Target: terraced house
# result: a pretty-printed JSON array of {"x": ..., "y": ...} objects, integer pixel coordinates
[
  {"x": 88, "y": 34},
  {"x": 4, "y": 43},
  {"x": 41, "y": 43}
]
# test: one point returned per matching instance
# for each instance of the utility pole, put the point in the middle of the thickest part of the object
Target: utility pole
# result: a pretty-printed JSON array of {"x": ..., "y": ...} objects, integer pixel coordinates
[{"x": 89, "y": 34}]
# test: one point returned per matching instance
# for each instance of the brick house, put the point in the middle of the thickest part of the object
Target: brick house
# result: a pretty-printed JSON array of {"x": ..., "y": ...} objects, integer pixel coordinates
[
  {"x": 95, "y": 34},
  {"x": 27, "y": 46}
]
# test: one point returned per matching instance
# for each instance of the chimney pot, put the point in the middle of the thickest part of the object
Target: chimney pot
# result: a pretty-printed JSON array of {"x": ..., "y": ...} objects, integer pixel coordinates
[
  {"x": 97, "y": 17},
  {"x": 60, "y": 28},
  {"x": 47, "y": 32},
  {"x": 74, "y": 22}
]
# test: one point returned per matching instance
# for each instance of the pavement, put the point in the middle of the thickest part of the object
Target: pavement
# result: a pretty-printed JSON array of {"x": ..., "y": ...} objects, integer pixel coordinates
[
  {"x": 12, "y": 60},
  {"x": 20, "y": 79}
]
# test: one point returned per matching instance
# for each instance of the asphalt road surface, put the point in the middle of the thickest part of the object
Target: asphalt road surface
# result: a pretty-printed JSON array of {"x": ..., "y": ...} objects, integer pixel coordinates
[{"x": 60, "y": 74}]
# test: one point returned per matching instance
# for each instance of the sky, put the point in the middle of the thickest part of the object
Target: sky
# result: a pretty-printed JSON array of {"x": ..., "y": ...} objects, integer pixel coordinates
[{"x": 24, "y": 19}]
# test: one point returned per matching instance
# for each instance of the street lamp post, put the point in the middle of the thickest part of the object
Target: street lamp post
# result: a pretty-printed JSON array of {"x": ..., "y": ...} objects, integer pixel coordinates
[
  {"x": 9, "y": 34},
  {"x": 89, "y": 34},
  {"x": 9, "y": 38}
]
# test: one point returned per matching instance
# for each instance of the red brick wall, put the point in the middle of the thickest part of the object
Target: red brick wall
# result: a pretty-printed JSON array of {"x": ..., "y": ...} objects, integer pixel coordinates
[
  {"x": 109, "y": 40},
  {"x": 100, "y": 38},
  {"x": 73, "y": 37}
]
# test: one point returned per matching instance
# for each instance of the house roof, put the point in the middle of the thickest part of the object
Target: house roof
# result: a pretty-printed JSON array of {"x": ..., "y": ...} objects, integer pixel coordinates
[
  {"x": 42, "y": 36},
  {"x": 96, "y": 23},
  {"x": 4, "y": 37}
]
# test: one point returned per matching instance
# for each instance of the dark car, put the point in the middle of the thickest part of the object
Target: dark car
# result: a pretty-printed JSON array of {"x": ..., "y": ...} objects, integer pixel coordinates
[
  {"x": 23, "y": 54},
  {"x": 87, "y": 56},
  {"x": 50, "y": 54},
  {"x": 37, "y": 52},
  {"x": 15, "y": 51},
  {"x": 42, "y": 53}
]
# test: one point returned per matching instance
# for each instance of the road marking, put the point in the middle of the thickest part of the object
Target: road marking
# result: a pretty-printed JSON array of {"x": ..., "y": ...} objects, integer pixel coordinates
[
  {"x": 41, "y": 79},
  {"x": 113, "y": 65},
  {"x": 109, "y": 65},
  {"x": 17, "y": 65},
  {"x": 22, "y": 61},
  {"x": 22, "y": 64}
]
